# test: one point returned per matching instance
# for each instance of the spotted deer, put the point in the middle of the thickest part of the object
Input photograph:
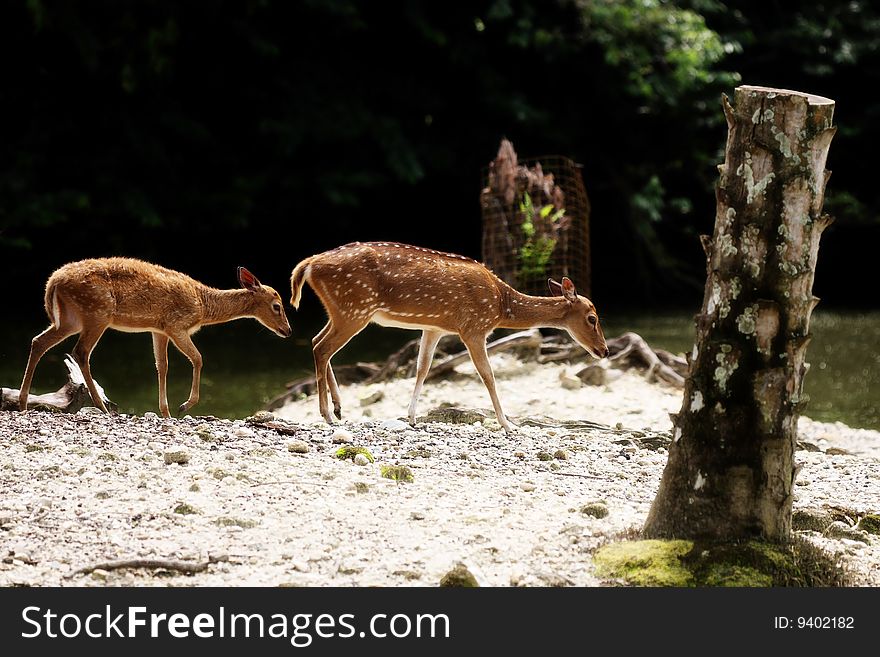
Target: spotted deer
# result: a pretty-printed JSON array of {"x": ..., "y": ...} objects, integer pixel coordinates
[
  {"x": 90, "y": 296},
  {"x": 438, "y": 293}
]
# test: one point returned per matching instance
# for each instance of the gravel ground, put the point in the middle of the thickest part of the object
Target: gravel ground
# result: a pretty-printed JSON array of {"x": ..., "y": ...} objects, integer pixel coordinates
[{"x": 78, "y": 490}]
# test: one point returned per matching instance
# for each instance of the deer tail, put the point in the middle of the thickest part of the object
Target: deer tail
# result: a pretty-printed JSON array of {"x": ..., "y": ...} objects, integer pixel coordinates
[
  {"x": 297, "y": 278},
  {"x": 53, "y": 309}
]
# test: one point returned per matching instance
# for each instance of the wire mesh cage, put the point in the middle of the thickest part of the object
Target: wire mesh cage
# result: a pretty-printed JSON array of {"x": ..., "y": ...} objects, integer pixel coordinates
[{"x": 536, "y": 221}]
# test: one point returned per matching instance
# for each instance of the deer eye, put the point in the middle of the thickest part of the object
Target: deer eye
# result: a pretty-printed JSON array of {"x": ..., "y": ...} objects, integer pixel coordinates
[
  {"x": 592, "y": 320},
  {"x": 276, "y": 307}
]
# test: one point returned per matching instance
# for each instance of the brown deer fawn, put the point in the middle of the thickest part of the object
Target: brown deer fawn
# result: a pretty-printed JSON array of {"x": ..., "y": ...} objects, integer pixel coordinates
[
  {"x": 411, "y": 287},
  {"x": 90, "y": 296}
]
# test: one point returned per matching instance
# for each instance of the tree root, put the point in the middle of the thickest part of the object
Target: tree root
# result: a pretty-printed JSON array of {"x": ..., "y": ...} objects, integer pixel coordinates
[{"x": 186, "y": 567}]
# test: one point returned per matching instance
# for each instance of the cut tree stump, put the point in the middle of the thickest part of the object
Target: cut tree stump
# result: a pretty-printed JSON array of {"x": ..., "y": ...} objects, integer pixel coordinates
[
  {"x": 731, "y": 469},
  {"x": 71, "y": 397}
]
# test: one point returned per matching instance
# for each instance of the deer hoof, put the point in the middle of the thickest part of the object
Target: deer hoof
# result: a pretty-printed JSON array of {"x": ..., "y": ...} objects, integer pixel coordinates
[{"x": 337, "y": 411}]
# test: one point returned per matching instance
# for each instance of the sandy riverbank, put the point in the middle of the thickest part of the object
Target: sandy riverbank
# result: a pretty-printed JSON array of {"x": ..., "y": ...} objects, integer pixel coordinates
[{"x": 85, "y": 488}]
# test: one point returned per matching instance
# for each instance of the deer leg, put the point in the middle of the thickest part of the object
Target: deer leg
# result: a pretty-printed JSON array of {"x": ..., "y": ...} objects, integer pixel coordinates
[
  {"x": 477, "y": 350},
  {"x": 160, "y": 353},
  {"x": 334, "y": 391},
  {"x": 332, "y": 339},
  {"x": 183, "y": 342},
  {"x": 82, "y": 352},
  {"x": 39, "y": 346},
  {"x": 426, "y": 356},
  {"x": 334, "y": 387}
]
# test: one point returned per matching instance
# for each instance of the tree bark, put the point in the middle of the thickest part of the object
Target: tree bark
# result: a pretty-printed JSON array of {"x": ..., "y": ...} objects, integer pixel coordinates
[{"x": 731, "y": 463}]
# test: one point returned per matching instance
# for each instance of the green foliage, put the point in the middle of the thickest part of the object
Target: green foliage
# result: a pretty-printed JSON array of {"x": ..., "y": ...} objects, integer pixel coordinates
[
  {"x": 664, "y": 51},
  {"x": 539, "y": 227},
  {"x": 143, "y": 128}
]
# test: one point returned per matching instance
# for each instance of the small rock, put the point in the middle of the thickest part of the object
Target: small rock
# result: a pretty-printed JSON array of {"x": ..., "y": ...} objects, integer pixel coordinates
[
  {"x": 99, "y": 573},
  {"x": 185, "y": 509},
  {"x": 519, "y": 454},
  {"x": 298, "y": 447},
  {"x": 416, "y": 515},
  {"x": 595, "y": 509},
  {"x": 528, "y": 486},
  {"x": 568, "y": 381},
  {"x": 229, "y": 480},
  {"x": 545, "y": 456},
  {"x": 372, "y": 399},
  {"x": 459, "y": 577},
  {"x": 560, "y": 455},
  {"x": 836, "y": 451},
  {"x": 395, "y": 425},
  {"x": 90, "y": 410},
  {"x": 149, "y": 415},
  {"x": 593, "y": 375},
  {"x": 204, "y": 432},
  {"x": 803, "y": 445},
  {"x": 361, "y": 459},
  {"x": 195, "y": 488},
  {"x": 179, "y": 455},
  {"x": 260, "y": 417},
  {"x": 451, "y": 415},
  {"x": 342, "y": 436},
  {"x": 244, "y": 432},
  {"x": 156, "y": 446}
]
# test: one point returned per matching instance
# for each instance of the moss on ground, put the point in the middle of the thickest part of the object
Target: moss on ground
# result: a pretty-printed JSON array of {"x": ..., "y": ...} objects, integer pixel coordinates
[
  {"x": 870, "y": 523},
  {"x": 348, "y": 452},
  {"x": 397, "y": 473},
  {"x": 687, "y": 563}
]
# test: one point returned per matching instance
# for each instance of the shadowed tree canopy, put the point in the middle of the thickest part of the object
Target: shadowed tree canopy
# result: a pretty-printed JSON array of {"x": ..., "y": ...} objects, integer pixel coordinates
[{"x": 262, "y": 131}]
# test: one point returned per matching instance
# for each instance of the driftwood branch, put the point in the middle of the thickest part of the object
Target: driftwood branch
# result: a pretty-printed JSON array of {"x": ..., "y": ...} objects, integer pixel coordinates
[
  {"x": 71, "y": 397},
  {"x": 186, "y": 567},
  {"x": 626, "y": 351}
]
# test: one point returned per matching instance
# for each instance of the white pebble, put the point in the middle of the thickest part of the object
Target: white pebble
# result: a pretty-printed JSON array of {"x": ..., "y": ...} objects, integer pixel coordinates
[
  {"x": 342, "y": 436},
  {"x": 395, "y": 425},
  {"x": 297, "y": 447},
  {"x": 361, "y": 459}
]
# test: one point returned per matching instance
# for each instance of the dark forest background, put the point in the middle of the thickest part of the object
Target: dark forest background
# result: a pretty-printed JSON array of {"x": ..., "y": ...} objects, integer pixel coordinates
[{"x": 206, "y": 135}]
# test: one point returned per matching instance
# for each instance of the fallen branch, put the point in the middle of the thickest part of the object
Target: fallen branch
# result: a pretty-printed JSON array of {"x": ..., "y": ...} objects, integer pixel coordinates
[
  {"x": 345, "y": 374},
  {"x": 627, "y": 350},
  {"x": 186, "y": 567},
  {"x": 530, "y": 340},
  {"x": 71, "y": 397}
]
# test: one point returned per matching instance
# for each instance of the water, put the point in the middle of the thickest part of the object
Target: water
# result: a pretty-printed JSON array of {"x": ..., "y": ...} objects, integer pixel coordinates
[{"x": 245, "y": 365}]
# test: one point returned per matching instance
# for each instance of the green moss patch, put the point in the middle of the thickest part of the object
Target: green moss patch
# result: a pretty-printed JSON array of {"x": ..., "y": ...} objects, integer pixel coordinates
[
  {"x": 688, "y": 564},
  {"x": 348, "y": 452},
  {"x": 459, "y": 577},
  {"x": 870, "y": 523},
  {"x": 397, "y": 473}
]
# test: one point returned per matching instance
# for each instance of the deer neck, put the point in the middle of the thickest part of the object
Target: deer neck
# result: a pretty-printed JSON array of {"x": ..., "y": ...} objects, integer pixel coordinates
[
  {"x": 523, "y": 311},
  {"x": 220, "y": 306}
]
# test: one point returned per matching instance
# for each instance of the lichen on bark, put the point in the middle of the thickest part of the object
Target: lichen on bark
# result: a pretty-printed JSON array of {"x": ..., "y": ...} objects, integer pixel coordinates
[{"x": 736, "y": 431}]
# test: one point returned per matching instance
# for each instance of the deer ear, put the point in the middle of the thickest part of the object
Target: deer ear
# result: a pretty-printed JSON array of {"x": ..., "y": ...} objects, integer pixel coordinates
[
  {"x": 568, "y": 290},
  {"x": 555, "y": 288},
  {"x": 247, "y": 280}
]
